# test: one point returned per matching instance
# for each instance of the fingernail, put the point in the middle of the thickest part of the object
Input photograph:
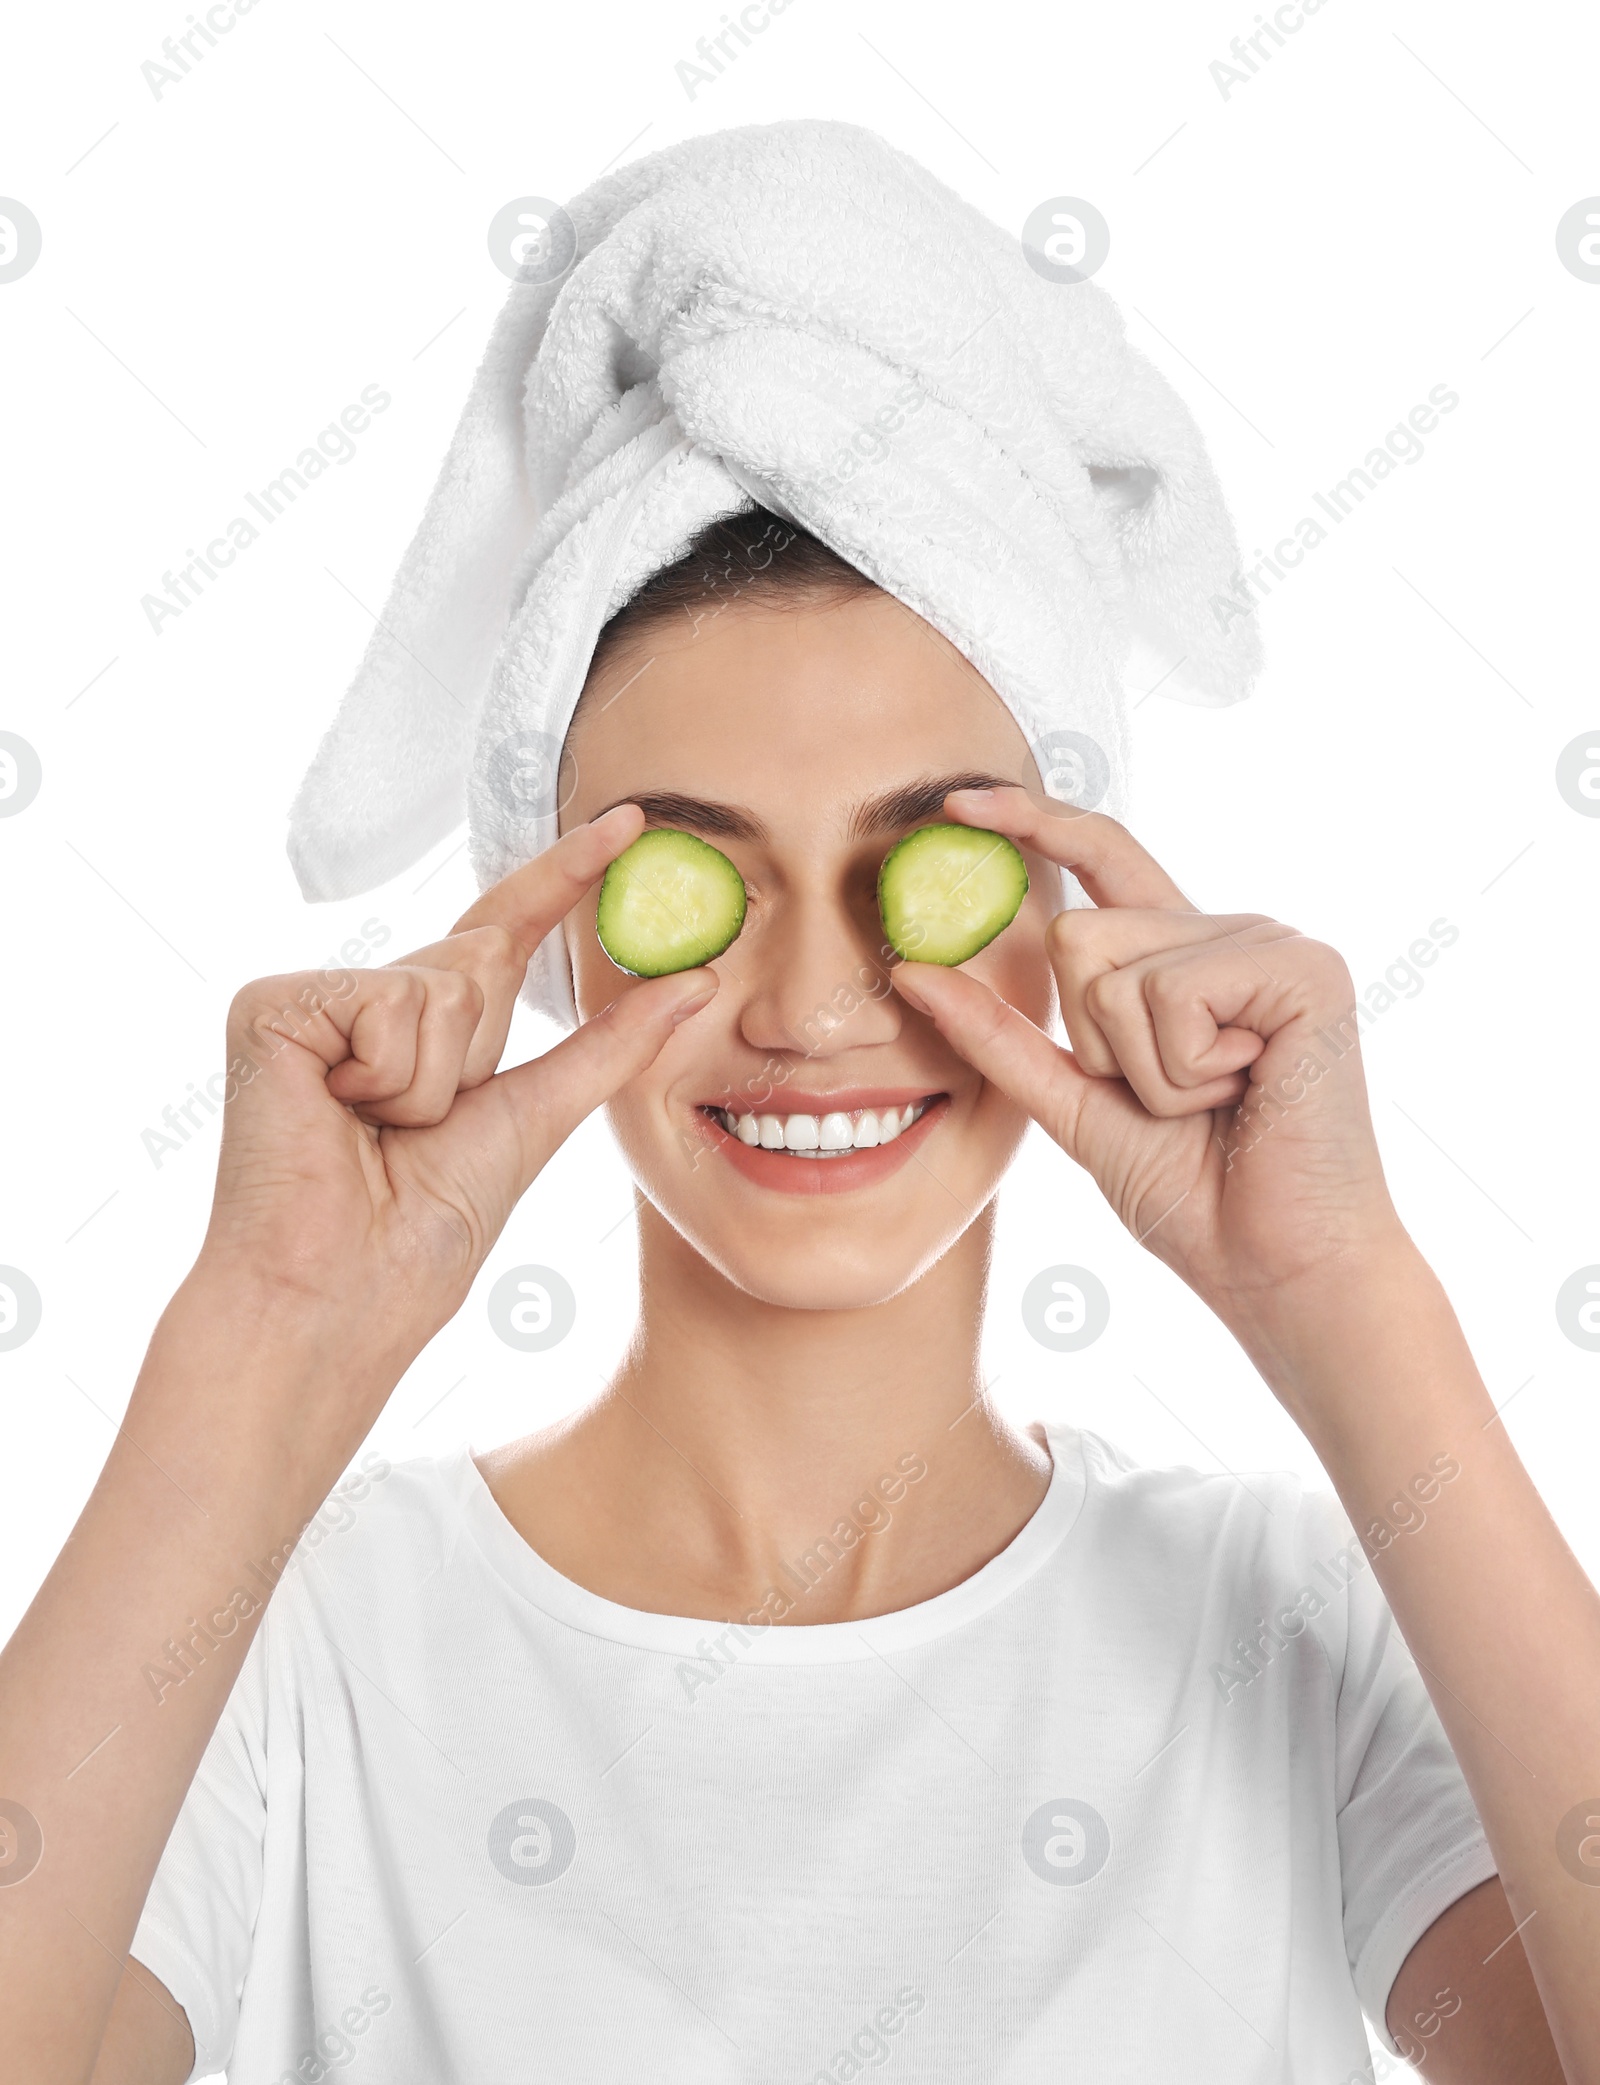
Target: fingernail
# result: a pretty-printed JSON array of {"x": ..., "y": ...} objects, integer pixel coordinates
[
  {"x": 908, "y": 989},
  {"x": 693, "y": 1005}
]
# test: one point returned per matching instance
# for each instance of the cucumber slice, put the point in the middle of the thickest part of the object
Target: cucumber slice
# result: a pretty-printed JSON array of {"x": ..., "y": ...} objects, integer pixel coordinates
[
  {"x": 668, "y": 902},
  {"x": 945, "y": 891}
]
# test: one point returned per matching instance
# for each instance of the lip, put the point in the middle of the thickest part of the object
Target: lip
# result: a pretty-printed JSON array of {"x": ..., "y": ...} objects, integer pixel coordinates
[
  {"x": 794, "y": 1101},
  {"x": 787, "y": 1174}
]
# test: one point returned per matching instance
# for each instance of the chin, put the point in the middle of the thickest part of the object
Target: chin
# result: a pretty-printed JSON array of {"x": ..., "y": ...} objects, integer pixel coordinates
[
  {"x": 826, "y": 1234},
  {"x": 824, "y": 1273}
]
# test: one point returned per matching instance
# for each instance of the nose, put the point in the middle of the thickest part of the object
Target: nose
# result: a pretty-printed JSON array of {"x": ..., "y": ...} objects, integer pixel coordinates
[{"x": 815, "y": 979}]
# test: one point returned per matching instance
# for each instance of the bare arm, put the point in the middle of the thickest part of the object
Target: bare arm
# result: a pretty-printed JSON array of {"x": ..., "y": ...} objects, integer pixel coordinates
[
  {"x": 1502, "y": 1621},
  {"x": 219, "y": 1464},
  {"x": 371, "y": 1154},
  {"x": 1465, "y": 2008},
  {"x": 211, "y": 1473},
  {"x": 147, "y": 2039}
]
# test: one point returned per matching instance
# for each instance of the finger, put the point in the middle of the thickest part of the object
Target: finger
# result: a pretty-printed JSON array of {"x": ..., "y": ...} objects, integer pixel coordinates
[
  {"x": 1175, "y": 1025},
  {"x": 1104, "y": 856},
  {"x": 494, "y": 940},
  {"x": 377, "y": 1026},
  {"x": 1000, "y": 1042},
  {"x": 552, "y": 1094},
  {"x": 534, "y": 899},
  {"x": 494, "y": 960},
  {"x": 1193, "y": 1014},
  {"x": 1085, "y": 944},
  {"x": 288, "y": 1036},
  {"x": 443, "y": 1031}
]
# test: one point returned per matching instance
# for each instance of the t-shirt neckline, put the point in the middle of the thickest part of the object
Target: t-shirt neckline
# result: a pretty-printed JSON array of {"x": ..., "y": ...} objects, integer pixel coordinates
[{"x": 786, "y": 1643}]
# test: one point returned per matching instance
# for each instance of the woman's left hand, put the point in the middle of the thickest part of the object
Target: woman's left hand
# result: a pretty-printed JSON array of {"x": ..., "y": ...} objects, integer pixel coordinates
[{"x": 1213, "y": 1086}]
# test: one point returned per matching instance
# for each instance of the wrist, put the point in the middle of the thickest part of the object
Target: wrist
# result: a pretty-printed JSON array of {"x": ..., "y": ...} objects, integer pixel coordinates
[
  {"x": 267, "y": 1383},
  {"x": 1348, "y": 1280},
  {"x": 346, "y": 1322},
  {"x": 1347, "y": 1340}
]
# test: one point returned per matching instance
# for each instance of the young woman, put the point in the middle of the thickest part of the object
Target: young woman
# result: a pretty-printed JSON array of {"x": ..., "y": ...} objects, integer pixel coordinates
[{"x": 786, "y": 1713}]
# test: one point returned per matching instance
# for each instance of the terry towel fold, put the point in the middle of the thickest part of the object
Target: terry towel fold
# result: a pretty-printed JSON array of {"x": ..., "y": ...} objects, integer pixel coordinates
[{"x": 797, "y": 315}]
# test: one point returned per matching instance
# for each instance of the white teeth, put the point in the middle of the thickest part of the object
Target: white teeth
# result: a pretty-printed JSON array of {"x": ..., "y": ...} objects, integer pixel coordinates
[{"x": 824, "y": 1136}]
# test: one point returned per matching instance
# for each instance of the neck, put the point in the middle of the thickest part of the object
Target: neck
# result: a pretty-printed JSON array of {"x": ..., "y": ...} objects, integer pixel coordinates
[{"x": 848, "y": 1457}]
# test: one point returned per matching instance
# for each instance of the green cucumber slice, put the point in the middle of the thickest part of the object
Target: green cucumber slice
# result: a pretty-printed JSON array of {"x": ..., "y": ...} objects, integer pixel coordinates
[
  {"x": 945, "y": 891},
  {"x": 668, "y": 902}
]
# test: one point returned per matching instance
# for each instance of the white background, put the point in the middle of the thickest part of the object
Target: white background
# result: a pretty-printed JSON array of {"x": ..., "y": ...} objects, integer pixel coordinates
[{"x": 224, "y": 268}]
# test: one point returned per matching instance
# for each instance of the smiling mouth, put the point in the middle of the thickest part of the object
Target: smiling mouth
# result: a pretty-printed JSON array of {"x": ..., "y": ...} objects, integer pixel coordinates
[{"x": 836, "y": 1134}]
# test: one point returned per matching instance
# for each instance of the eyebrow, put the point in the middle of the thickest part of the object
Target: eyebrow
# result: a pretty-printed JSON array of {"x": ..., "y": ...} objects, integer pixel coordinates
[{"x": 885, "y": 813}]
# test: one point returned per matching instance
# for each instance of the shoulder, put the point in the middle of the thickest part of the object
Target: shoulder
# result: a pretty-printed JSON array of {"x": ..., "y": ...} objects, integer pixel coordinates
[
  {"x": 1179, "y": 1508},
  {"x": 1212, "y": 1548},
  {"x": 385, "y": 1526}
]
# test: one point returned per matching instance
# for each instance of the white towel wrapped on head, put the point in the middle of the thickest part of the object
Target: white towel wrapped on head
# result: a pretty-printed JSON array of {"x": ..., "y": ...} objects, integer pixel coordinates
[{"x": 795, "y": 315}]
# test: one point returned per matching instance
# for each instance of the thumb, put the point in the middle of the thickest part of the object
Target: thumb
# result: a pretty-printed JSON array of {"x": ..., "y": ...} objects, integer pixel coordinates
[
  {"x": 1001, "y": 1043},
  {"x": 551, "y": 1095}
]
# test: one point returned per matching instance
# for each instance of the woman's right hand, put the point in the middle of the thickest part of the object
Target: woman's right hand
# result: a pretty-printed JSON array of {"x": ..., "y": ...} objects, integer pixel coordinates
[
  {"x": 371, "y": 1150},
  {"x": 371, "y": 1153}
]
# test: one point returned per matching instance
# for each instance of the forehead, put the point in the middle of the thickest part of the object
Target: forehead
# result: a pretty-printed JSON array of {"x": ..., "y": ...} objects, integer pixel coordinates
[{"x": 795, "y": 711}]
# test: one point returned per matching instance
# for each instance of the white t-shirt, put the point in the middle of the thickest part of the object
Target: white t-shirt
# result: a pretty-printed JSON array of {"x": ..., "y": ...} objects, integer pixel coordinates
[{"x": 464, "y": 1820}]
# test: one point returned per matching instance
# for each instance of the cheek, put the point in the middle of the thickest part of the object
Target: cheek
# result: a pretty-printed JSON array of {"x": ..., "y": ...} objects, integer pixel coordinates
[
  {"x": 655, "y": 1141},
  {"x": 651, "y": 1127},
  {"x": 596, "y": 980},
  {"x": 1016, "y": 966}
]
